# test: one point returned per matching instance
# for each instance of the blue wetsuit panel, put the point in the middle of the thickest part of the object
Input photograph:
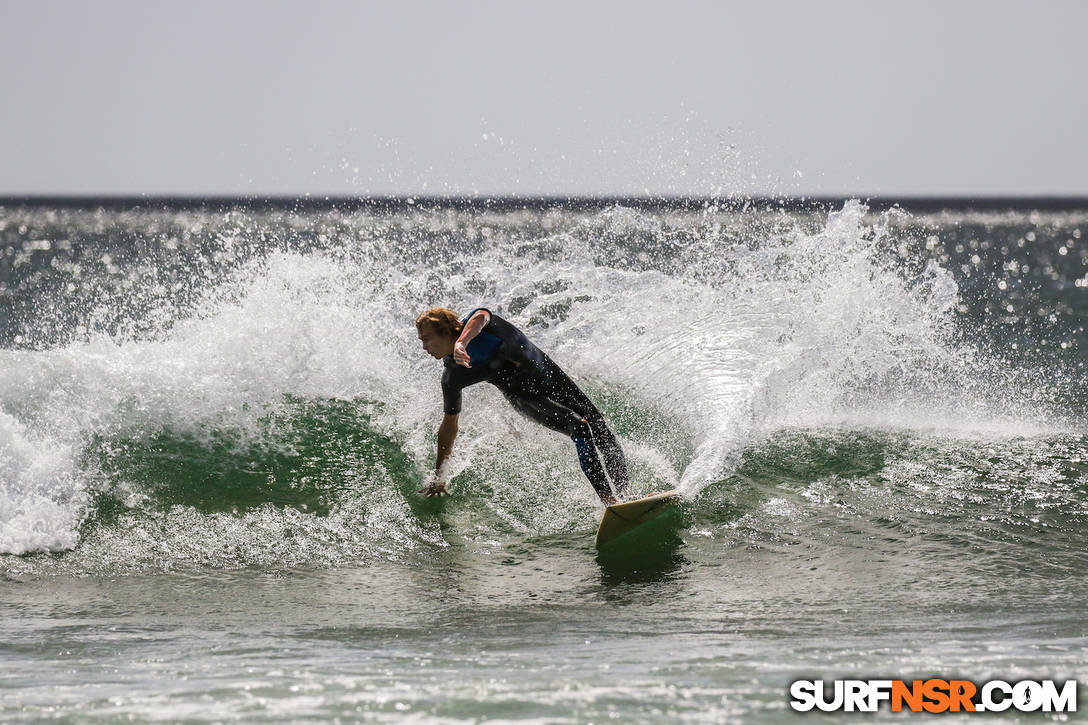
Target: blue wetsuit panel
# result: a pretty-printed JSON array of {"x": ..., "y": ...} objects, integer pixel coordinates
[{"x": 484, "y": 345}]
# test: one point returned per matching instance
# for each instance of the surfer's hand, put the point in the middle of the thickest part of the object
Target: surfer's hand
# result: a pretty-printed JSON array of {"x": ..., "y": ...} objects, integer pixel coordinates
[
  {"x": 434, "y": 487},
  {"x": 460, "y": 355}
]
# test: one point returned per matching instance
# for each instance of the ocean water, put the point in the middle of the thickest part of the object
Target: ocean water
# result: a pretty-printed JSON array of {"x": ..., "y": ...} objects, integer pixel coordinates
[{"x": 214, "y": 418}]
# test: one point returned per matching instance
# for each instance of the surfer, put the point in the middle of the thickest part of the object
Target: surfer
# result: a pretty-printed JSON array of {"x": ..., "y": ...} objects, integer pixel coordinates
[{"x": 484, "y": 347}]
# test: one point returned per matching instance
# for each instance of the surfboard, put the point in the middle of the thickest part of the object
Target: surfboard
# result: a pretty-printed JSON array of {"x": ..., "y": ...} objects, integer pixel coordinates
[{"x": 622, "y": 517}]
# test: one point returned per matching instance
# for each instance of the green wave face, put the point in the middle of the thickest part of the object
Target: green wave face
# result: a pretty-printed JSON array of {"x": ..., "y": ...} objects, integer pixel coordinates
[
  {"x": 345, "y": 491},
  {"x": 304, "y": 456},
  {"x": 312, "y": 482},
  {"x": 935, "y": 507}
]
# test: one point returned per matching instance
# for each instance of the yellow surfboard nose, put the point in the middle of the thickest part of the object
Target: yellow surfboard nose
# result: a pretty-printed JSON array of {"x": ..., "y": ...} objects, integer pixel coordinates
[{"x": 620, "y": 518}]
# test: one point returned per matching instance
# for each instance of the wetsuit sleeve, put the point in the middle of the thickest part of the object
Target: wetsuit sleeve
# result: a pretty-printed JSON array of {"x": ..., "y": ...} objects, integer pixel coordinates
[{"x": 451, "y": 393}]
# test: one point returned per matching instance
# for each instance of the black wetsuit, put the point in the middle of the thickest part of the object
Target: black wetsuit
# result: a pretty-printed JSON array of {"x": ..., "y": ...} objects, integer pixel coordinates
[{"x": 503, "y": 356}]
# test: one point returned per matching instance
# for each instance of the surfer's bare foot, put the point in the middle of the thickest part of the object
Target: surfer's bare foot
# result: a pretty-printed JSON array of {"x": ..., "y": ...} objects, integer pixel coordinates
[{"x": 609, "y": 500}]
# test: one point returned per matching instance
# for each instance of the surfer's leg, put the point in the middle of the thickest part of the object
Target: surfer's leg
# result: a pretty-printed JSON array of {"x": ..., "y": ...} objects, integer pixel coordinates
[
  {"x": 591, "y": 466},
  {"x": 610, "y": 451},
  {"x": 559, "y": 418},
  {"x": 567, "y": 393}
]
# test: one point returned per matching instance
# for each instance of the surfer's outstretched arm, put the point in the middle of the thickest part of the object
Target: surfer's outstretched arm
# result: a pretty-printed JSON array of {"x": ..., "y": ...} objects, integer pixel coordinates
[{"x": 447, "y": 434}]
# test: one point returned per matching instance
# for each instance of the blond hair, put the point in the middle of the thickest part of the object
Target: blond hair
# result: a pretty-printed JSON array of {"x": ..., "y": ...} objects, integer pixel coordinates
[{"x": 442, "y": 320}]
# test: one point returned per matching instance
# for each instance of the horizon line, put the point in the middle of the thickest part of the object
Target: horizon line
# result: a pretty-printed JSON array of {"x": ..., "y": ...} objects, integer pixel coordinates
[{"x": 573, "y": 202}]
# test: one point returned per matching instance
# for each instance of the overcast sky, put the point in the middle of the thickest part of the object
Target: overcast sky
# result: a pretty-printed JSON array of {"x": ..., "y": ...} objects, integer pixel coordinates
[{"x": 348, "y": 98}]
